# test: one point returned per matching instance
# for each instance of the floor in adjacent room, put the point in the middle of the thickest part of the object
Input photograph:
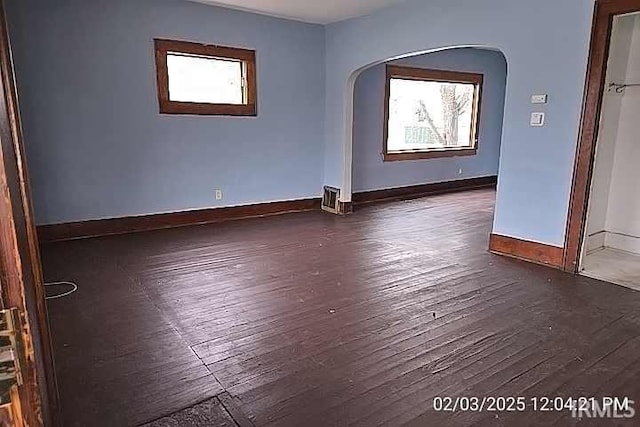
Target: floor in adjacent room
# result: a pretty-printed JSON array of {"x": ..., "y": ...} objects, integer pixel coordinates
[
  {"x": 613, "y": 265},
  {"x": 315, "y": 320}
]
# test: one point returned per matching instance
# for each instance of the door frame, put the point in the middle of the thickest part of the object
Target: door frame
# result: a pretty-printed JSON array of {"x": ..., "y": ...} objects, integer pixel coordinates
[
  {"x": 605, "y": 11},
  {"x": 20, "y": 268}
]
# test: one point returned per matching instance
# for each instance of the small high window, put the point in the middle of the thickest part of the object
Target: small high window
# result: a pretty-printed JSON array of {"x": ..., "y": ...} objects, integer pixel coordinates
[
  {"x": 195, "y": 78},
  {"x": 430, "y": 113}
]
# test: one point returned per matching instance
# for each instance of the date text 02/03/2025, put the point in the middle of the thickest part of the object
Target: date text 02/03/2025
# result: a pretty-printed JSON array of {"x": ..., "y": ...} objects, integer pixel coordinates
[{"x": 579, "y": 407}]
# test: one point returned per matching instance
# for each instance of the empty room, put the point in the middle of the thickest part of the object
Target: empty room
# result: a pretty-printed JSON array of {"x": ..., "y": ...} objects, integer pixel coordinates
[{"x": 319, "y": 213}]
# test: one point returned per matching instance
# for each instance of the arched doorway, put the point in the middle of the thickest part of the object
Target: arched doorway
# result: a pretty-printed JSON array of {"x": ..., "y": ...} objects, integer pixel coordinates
[{"x": 372, "y": 169}]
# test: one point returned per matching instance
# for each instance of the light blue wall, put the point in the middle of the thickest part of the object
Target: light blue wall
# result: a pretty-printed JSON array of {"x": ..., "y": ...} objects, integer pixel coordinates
[
  {"x": 371, "y": 173},
  {"x": 96, "y": 145},
  {"x": 545, "y": 43}
]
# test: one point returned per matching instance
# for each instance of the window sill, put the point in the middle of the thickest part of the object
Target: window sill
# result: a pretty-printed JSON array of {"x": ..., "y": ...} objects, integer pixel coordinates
[
  {"x": 431, "y": 154},
  {"x": 203, "y": 109}
]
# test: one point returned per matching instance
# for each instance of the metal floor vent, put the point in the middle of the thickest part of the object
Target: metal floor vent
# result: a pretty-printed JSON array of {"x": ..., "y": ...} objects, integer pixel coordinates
[{"x": 330, "y": 199}]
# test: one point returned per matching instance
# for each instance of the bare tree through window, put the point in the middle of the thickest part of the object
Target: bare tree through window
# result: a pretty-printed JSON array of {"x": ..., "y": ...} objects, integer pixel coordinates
[{"x": 431, "y": 111}]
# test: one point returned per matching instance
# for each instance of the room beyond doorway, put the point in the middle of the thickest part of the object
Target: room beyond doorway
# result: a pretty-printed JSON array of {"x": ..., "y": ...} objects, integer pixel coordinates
[
  {"x": 611, "y": 249},
  {"x": 404, "y": 137}
]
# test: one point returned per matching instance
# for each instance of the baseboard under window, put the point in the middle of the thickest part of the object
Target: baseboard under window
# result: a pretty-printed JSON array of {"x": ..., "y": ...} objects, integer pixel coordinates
[
  {"x": 414, "y": 191},
  {"x": 135, "y": 224}
]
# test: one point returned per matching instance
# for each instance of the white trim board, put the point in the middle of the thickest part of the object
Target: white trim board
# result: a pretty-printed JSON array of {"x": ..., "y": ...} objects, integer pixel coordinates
[
  {"x": 594, "y": 242},
  {"x": 623, "y": 242},
  {"x": 612, "y": 239}
]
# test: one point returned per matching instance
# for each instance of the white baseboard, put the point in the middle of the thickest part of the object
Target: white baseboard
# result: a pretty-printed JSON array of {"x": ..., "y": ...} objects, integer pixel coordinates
[
  {"x": 622, "y": 242},
  {"x": 595, "y": 242}
]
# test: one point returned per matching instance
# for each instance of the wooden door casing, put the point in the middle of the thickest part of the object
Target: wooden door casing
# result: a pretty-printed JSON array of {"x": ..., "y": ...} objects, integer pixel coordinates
[{"x": 20, "y": 269}]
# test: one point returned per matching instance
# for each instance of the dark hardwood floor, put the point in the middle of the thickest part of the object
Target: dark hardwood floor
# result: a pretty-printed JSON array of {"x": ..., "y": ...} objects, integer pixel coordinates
[{"x": 314, "y": 320}]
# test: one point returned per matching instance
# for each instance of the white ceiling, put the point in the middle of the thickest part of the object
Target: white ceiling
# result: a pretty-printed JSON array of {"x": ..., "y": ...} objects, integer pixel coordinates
[{"x": 315, "y": 11}]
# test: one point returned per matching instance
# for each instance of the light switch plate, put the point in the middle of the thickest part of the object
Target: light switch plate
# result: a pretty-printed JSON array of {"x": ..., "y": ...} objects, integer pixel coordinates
[
  {"x": 539, "y": 99},
  {"x": 537, "y": 119}
]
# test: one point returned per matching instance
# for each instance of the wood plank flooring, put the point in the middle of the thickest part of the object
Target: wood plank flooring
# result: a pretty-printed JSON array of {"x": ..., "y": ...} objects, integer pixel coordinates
[{"x": 314, "y": 320}]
